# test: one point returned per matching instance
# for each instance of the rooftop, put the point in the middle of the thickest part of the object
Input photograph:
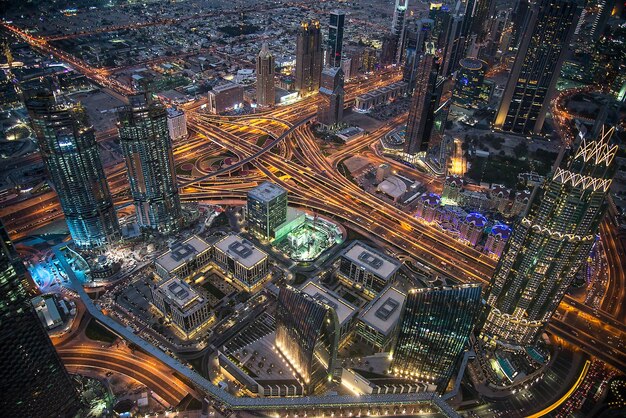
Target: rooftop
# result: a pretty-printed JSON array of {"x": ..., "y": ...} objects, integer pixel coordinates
[
  {"x": 241, "y": 250},
  {"x": 225, "y": 87},
  {"x": 266, "y": 192},
  {"x": 383, "y": 312},
  {"x": 371, "y": 260},
  {"x": 343, "y": 309},
  {"x": 179, "y": 293},
  {"x": 182, "y": 252}
]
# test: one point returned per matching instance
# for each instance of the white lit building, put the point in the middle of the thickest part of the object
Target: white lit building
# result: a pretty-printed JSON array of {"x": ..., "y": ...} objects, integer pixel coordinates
[{"x": 176, "y": 124}]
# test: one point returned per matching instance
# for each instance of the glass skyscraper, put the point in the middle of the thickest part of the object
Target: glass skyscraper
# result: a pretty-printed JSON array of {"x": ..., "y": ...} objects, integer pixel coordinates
[
  {"x": 435, "y": 326},
  {"x": 537, "y": 66},
  {"x": 335, "y": 38},
  {"x": 147, "y": 148},
  {"x": 308, "y": 58},
  {"x": 70, "y": 152},
  {"x": 35, "y": 383},
  {"x": 265, "y": 91},
  {"x": 267, "y": 208},
  {"x": 307, "y": 335},
  {"x": 549, "y": 245}
]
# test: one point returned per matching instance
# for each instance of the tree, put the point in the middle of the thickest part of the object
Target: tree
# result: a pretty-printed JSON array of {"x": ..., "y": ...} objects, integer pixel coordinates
[{"x": 521, "y": 150}]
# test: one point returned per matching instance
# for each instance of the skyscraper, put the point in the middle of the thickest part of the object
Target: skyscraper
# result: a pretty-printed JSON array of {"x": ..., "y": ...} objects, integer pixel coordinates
[
  {"x": 454, "y": 48},
  {"x": 435, "y": 326},
  {"x": 398, "y": 26},
  {"x": 469, "y": 82},
  {"x": 147, "y": 148},
  {"x": 480, "y": 18},
  {"x": 537, "y": 66},
  {"x": 422, "y": 112},
  {"x": 415, "y": 38},
  {"x": 308, "y": 58},
  {"x": 548, "y": 246},
  {"x": 605, "y": 7},
  {"x": 267, "y": 208},
  {"x": 265, "y": 94},
  {"x": 335, "y": 38},
  {"x": 307, "y": 335},
  {"x": 70, "y": 152},
  {"x": 35, "y": 383},
  {"x": 330, "y": 107}
]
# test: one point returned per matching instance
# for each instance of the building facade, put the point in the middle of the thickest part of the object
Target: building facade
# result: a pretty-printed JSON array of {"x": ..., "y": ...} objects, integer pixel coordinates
[
  {"x": 266, "y": 209},
  {"x": 307, "y": 335},
  {"x": 241, "y": 261},
  {"x": 308, "y": 58},
  {"x": 335, "y": 38},
  {"x": 366, "y": 269},
  {"x": 265, "y": 68},
  {"x": 147, "y": 148},
  {"x": 435, "y": 327},
  {"x": 330, "y": 107},
  {"x": 225, "y": 97},
  {"x": 183, "y": 259},
  {"x": 176, "y": 124},
  {"x": 537, "y": 66},
  {"x": 549, "y": 245},
  {"x": 35, "y": 381},
  {"x": 469, "y": 83},
  {"x": 70, "y": 152}
]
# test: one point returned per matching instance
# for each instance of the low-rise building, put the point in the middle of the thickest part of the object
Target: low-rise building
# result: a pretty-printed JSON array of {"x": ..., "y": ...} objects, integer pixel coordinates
[
  {"x": 225, "y": 97},
  {"x": 242, "y": 261},
  {"x": 377, "y": 323},
  {"x": 366, "y": 269},
  {"x": 183, "y": 259},
  {"x": 184, "y": 306}
]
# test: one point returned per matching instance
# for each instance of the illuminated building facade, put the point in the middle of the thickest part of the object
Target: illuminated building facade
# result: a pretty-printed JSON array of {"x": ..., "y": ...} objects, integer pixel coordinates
[
  {"x": 435, "y": 326},
  {"x": 537, "y": 66},
  {"x": 469, "y": 83},
  {"x": 70, "y": 152},
  {"x": 35, "y": 383},
  {"x": 496, "y": 240},
  {"x": 421, "y": 118},
  {"x": 549, "y": 245},
  {"x": 330, "y": 107},
  {"x": 398, "y": 26},
  {"x": 307, "y": 335},
  {"x": 147, "y": 148},
  {"x": 366, "y": 269},
  {"x": 377, "y": 323},
  {"x": 266, "y": 209},
  {"x": 415, "y": 38},
  {"x": 225, "y": 97},
  {"x": 176, "y": 123},
  {"x": 185, "y": 307},
  {"x": 183, "y": 259},
  {"x": 335, "y": 38},
  {"x": 308, "y": 58},
  {"x": 247, "y": 265},
  {"x": 471, "y": 229},
  {"x": 428, "y": 207},
  {"x": 265, "y": 67}
]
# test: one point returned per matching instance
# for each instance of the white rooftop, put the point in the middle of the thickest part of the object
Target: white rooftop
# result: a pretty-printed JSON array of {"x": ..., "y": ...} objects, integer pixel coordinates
[
  {"x": 371, "y": 260},
  {"x": 179, "y": 292},
  {"x": 383, "y": 312},
  {"x": 393, "y": 186},
  {"x": 343, "y": 309},
  {"x": 224, "y": 87},
  {"x": 241, "y": 250},
  {"x": 266, "y": 191},
  {"x": 181, "y": 253}
]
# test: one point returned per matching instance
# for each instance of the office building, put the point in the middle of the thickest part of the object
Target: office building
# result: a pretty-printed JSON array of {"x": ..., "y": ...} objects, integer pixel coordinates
[
  {"x": 366, "y": 269},
  {"x": 346, "y": 312},
  {"x": 480, "y": 18},
  {"x": 176, "y": 124},
  {"x": 550, "y": 244},
  {"x": 183, "y": 259},
  {"x": 435, "y": 327},
  {"x": 398, "y": 27},
  {"x": 308, "y": 58},
  {"x": 330, "y": 107},
  {"x": 244, "y": 263},
  {"x": 605, "y": 7},
  {"x": 147, "y": 149},
  {"x": 265, "y": 67},
  {"x": 415, "y": 39},
  {"x": 388, "y": 50},
  {"x": 537, "y": 66},
  {"x": 454, "y": 48},
  {"x": 70, "y": 152},
  {"x": 335, "y": 38},
  {"x": 307, "y": 336},
  {"x": 186, "y": 308},
  {"x": 266, "y": 209},
  {"x": 469, "y": 83},
  {"x": 35, "y": 383},
  {"x": 377, "y": 323},
  {"x": 225, "y": 97},
  {"x": 421, "y": 118}
]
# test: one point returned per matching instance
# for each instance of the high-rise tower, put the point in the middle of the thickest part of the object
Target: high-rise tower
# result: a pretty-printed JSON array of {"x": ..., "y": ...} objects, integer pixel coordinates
[
  {"x": 398, "y": 26},
  {"x": 35, "y": 383},
  {"x": 147, "y": 148},
  {"x": 435, "y": 326},
  {"x": 537, "y": 66},
  {"x": 422, "y": 112},
  {"x": 308, "y": 58},
  {"x": 330, "y": 108},
  {"x": 70, "y": 152},
  {"x": 335, "y": 38},
  {"x": 548, "y": 246},
  {"x": 265, "y": 93}
]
